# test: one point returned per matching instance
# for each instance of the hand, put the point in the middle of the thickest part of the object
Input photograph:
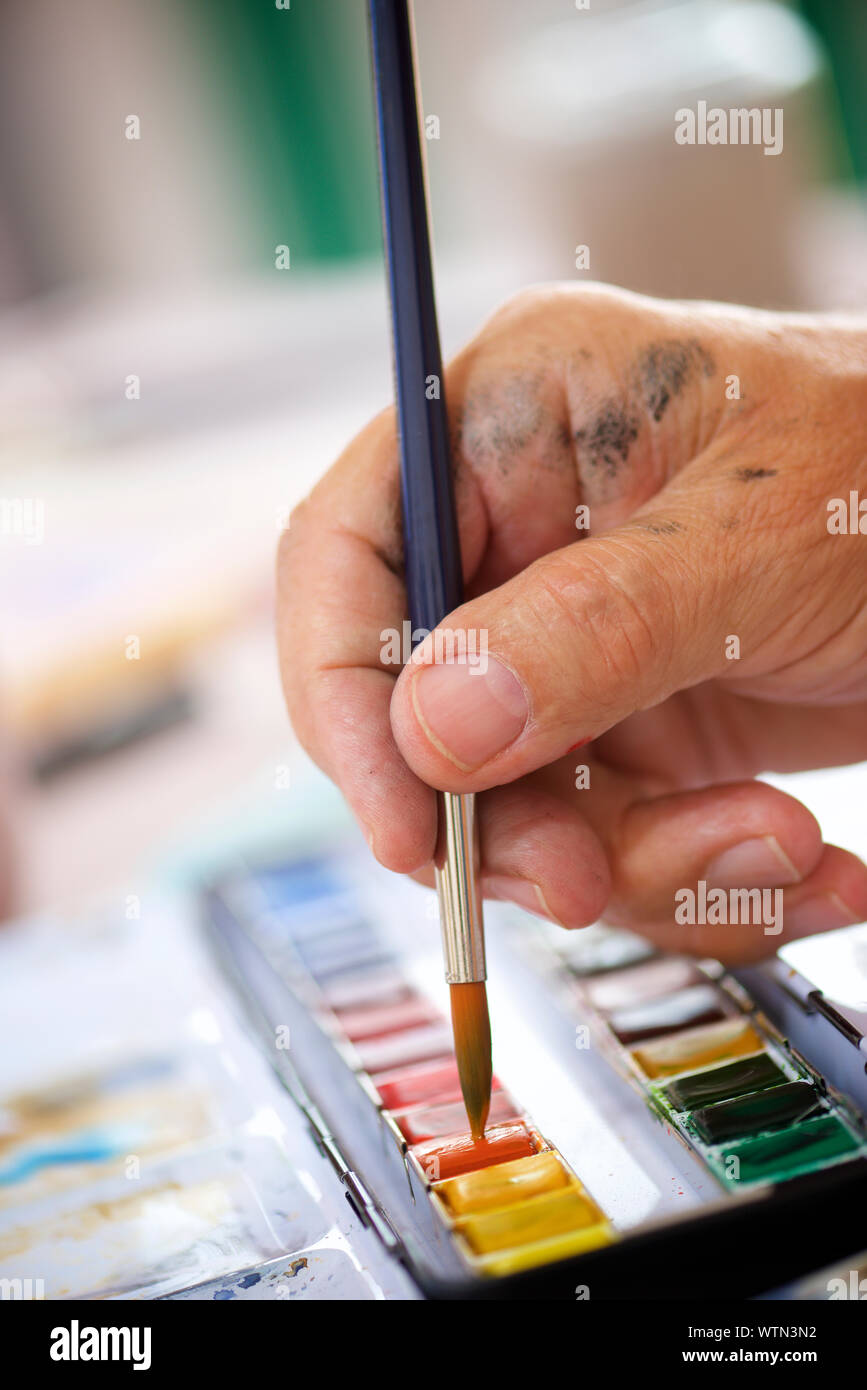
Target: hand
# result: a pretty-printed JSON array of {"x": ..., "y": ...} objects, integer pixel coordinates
[{"x": 709, "y": 626}]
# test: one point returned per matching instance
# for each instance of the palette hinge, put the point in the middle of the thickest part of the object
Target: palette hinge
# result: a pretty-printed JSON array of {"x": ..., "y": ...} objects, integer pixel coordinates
[
  {"x": 838, "y": 1020},
  {"x": 356, "y": 1193},
  {"x": 367, "y": 1211},
  {"x": 325, "y": 1141}
]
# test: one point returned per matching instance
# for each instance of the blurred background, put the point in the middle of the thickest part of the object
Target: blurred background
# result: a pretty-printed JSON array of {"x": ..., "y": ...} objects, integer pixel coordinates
[{"x": 193, "y": 323}]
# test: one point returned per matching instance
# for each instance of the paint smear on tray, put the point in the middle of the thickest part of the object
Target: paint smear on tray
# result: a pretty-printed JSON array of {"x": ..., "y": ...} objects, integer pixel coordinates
[
  {"x": 73, "y": 1132},
  {"x": 168, "y": 1235}
]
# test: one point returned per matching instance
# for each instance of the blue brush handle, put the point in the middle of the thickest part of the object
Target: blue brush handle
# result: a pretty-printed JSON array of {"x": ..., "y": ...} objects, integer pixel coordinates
[{"x": 432, "y": 560}]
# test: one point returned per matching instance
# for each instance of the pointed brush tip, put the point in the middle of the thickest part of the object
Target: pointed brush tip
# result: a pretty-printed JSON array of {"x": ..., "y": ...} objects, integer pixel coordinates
[{"x": 472, "y": 1032}]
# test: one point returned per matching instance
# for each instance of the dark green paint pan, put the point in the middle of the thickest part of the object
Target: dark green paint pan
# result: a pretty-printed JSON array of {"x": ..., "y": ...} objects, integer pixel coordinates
[
  {"x": 778, "y": 1157},
  {"x": 722, "y": 1083},
  {"x": 754, "y": 1114}
]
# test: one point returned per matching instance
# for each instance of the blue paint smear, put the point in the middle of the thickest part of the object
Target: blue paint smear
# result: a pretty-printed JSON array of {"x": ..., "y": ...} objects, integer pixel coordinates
[
  {"x": 89, "y": 1146},
  {"x": 248, "y": 1281},
  {"x": 223, "y": 1294}
]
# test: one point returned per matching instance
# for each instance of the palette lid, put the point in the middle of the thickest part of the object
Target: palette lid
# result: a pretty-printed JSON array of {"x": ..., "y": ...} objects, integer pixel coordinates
[
  {"x": 815, "y": 993},
  {"x": 834, "y": 964}
]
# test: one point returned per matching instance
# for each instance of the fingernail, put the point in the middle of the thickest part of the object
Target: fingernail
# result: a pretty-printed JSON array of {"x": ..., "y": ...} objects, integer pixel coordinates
[
  {"x": 817, "y": 914},
  {"x": 469, "y": 717},
  {"x": 755, "y": 863},
  {"x": 520, "y": 891}
]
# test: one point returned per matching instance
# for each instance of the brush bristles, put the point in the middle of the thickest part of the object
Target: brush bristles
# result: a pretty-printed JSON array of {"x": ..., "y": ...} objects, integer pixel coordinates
[{"x": 472, "y": 1030}]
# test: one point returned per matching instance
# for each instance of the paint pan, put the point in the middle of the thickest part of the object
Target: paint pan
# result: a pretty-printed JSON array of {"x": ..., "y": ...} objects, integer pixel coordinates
[
  {"x": 460, "y": 1153},
  {"x": 422, "y": 1044},
  {"x": 538, "y": 1219},
  {"x": 426, "y": 1083},
  {"x": 719, "y": 1083},
  {"x": 659, "y": 975},
  {"x": 380, "y": 1020},
  {"x": 596, "y": 950},
  {"x": 362, "y": 989},
  {"x": 534, "y": 1256},
  {"x": 698, "y": 1047},
  {"x": 301, "y": 882},
  {"x": 355, "y": 951},
  {"x": 488, "y": 1189},
  {"x": 779, "y": 1157},
  {"x": 439, "y": 1121},
  {"x": 775, "y": 1108},
  {"x": 670, "y": 1013}
]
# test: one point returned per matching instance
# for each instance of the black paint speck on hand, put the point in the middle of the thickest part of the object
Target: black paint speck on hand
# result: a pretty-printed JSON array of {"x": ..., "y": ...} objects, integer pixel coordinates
[
  {"x": 663, "y": 369},
  {"x": 609, "y": 437},
  {"x": 749, "y": 475},
  {"x": 512, "y": 420},
  {"x": 661, "y": 528},
  {"x": 502, "y": 420}
]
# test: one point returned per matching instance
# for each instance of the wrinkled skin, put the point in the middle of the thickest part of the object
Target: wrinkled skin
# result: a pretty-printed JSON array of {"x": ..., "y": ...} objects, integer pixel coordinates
[{"x": 708, "y": 503}]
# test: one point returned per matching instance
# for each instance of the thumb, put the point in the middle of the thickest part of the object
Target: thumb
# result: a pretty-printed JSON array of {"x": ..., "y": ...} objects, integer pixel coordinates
[{"x": 572, "y": 645}]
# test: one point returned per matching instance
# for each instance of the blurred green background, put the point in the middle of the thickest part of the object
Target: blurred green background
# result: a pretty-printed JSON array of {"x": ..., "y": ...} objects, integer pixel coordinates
[
  {"x": 313, "y": 80},
  {"x": 258, "y": 125},
  {"x": 297, "y": 84},
  {"x": 842, "y": 27}
]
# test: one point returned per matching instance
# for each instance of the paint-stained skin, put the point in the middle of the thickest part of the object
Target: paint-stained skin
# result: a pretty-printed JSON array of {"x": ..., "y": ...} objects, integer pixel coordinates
[
  {"x": 750, "y": 475},
  {"x": 664, "y": 369},
  {"x": 512, "y": 420},
  {"x": 660, "y": 373},
  {"x": 505, "y": 420},
  {"x": 661, "y": 528},
  {"x": 609, "y": 437}
]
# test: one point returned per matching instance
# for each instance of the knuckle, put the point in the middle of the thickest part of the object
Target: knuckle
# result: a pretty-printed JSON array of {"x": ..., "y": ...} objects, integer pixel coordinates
[
  {"x": 527, "y": 310},
  {"x": 614, "y": 620}
]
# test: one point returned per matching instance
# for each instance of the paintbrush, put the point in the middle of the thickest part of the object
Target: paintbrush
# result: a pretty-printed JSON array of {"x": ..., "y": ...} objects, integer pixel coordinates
[{"x": 434, "y": 577}]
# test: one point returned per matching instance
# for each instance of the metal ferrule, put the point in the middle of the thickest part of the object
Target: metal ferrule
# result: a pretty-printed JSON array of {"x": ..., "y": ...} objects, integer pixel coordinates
[{"x": 459, "y": 892}]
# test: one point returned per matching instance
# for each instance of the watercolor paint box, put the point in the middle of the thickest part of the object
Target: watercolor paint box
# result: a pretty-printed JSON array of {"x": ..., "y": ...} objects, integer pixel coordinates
[{"x": 652, "y": 1130}]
